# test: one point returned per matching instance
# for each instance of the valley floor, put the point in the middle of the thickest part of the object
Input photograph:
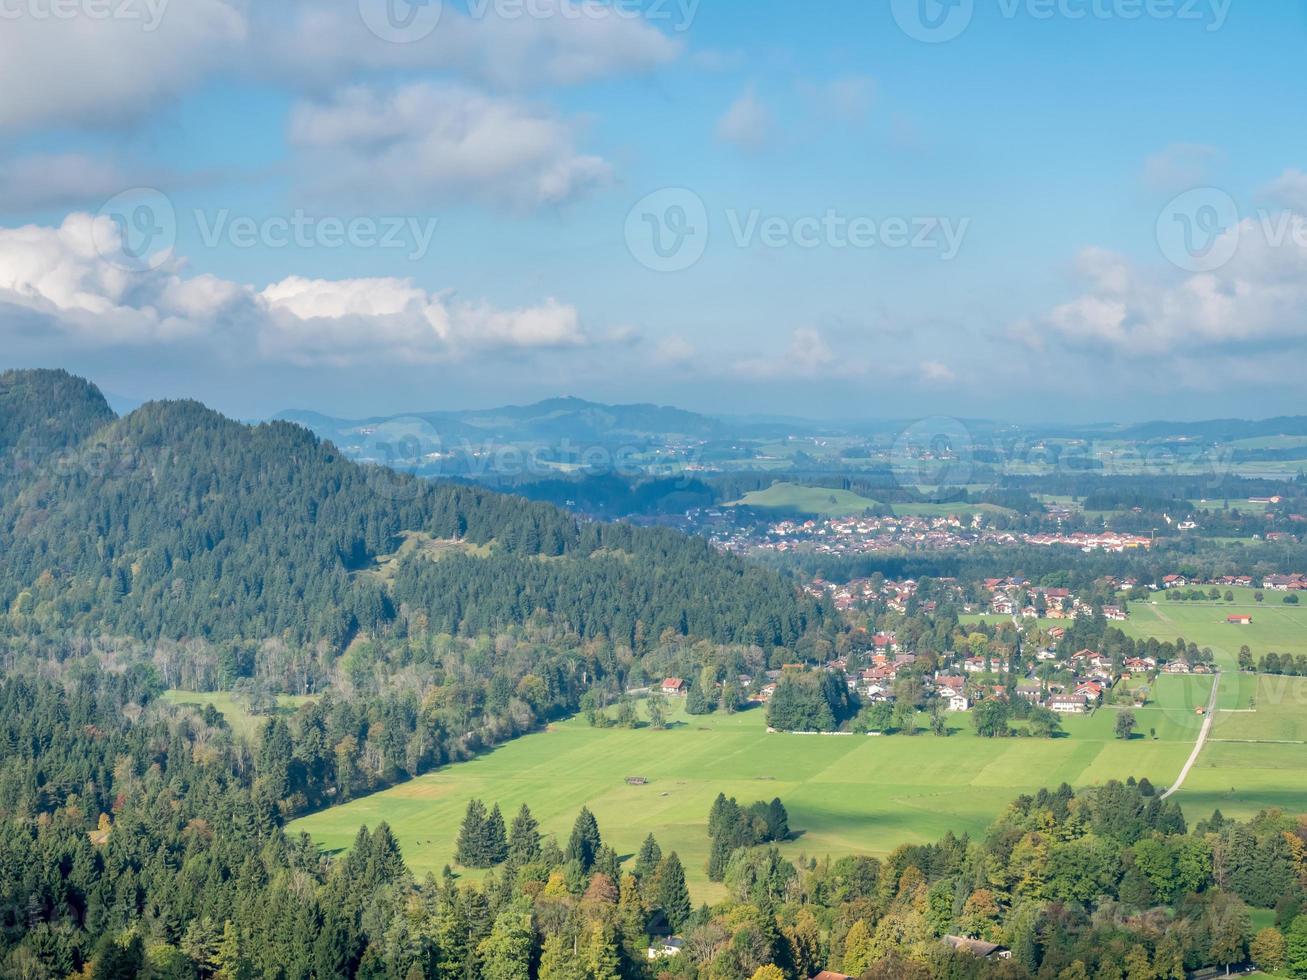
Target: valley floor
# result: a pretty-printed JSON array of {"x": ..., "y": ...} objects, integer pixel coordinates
[{"x": 845, "y": 794}]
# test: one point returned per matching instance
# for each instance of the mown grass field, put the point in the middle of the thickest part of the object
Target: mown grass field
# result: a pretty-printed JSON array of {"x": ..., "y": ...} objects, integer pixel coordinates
[
  {"x": 826, "y": 502},
  {"x": 1255, "y": 757},
  {"x": 846, "y": 794},
  {"x": 241, "y": 721},
  {"x": 1275, "y": 627},
  {"x": 815, "y": 501}
]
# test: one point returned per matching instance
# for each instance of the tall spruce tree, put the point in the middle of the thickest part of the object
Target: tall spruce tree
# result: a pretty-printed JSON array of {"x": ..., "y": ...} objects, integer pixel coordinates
[
  {"x": 523, "y": 838},
  {"x": 646, "y": 863},
  {"x": 585, "y": 841},
  {"x": 471, "y": 851},
  {"x": 670, "y": 892},
  {"x": 496, "y": 839}
]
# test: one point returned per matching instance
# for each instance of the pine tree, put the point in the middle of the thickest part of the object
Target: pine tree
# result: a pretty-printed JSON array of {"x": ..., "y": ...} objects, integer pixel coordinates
[
  {"x": 231, "y": 962},
  {"x": 496, "y": 843},
  {"x": 646, "y": 863},
  {"x": 670, "y": 893},
  {"x": 778, "y": 821},
  {"x": 523, "y": 838},
  {"x": 607, "y": 863},
  {"x": 697, "y": 702},
  {"x": 471, "y": 851},
  {"x": 585, "y": 841}
]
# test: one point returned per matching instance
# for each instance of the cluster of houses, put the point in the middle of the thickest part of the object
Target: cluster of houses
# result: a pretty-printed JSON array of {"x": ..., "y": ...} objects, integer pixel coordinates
[
  {"x": 1271, "y": 583},
  {"x": 869, "y": 534},
  {"x": 1109, "y": 541},
  {"x": 1016, "y": 597},
  {"x": 863, "y": 591}
]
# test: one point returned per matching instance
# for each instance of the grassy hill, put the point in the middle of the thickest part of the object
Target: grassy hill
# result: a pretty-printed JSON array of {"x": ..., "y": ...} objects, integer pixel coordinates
[{"x": 813, "y": 501}]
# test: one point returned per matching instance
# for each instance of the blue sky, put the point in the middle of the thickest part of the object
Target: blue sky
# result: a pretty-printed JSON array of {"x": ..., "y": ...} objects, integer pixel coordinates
[{"x": 1063, "y": 209}]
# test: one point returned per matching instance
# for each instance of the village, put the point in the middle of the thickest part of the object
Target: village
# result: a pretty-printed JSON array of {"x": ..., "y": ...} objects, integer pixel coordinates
[{"x": 869, "y": 535}]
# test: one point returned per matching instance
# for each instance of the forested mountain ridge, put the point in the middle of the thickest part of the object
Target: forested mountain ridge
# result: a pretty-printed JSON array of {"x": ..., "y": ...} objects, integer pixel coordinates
[
  {"x": 175, "y": 522},
  {"x": 45, "y": 411}
]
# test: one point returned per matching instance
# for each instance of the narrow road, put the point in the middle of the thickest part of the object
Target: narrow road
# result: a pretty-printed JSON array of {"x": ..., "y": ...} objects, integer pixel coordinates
[{"x": 1202, "y": 738}]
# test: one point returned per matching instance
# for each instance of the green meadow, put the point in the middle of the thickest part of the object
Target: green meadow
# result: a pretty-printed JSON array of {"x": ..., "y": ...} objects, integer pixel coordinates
[
  {"x": 867, "y": 795},
  {"x": 1256, "y": 757},
  {"x": 814, "y": 501},
  {"x": 827, "y": 502},
  {"x": 845, "y": 794},
  {"x": 241, "y": 721}
]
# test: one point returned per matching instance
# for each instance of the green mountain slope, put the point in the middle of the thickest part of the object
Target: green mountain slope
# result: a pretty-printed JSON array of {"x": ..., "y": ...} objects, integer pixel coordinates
[{"x": 175, "y": 523}]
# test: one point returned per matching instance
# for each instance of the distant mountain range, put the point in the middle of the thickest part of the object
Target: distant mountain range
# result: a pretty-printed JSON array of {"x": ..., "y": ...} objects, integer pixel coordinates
[
  {"x": 548, "y": 422},
  {"x": 579, "y": 421}
]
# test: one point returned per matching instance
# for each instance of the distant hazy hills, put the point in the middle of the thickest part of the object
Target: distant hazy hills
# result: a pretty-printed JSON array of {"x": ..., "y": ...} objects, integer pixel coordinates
[
  {"x": 583, "y": 422},
  {"x": 549, "y": 422}
]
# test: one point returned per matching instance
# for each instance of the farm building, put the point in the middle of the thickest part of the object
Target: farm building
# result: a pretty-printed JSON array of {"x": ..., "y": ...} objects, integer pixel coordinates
[
  {"x": 1068, "y": 704},
  {"x": 979, "y": 948}
]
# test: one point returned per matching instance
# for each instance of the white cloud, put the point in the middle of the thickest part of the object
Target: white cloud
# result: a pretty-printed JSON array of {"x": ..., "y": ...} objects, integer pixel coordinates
[
  {"x": 80, "y": 293},
  {"x": 747, "y": 124},
  {"x": 1260, "y": 296},
  {"x": 99, "y": 71},
  {"x": 808, "y": 356},
  {"x": 59, "y": 274},
  {"x": 552, "y": 42},
  {"x": 1289, "y": 190},
  {"x": 96, "y": 71},
  {"x": 425, "y": 141}
]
